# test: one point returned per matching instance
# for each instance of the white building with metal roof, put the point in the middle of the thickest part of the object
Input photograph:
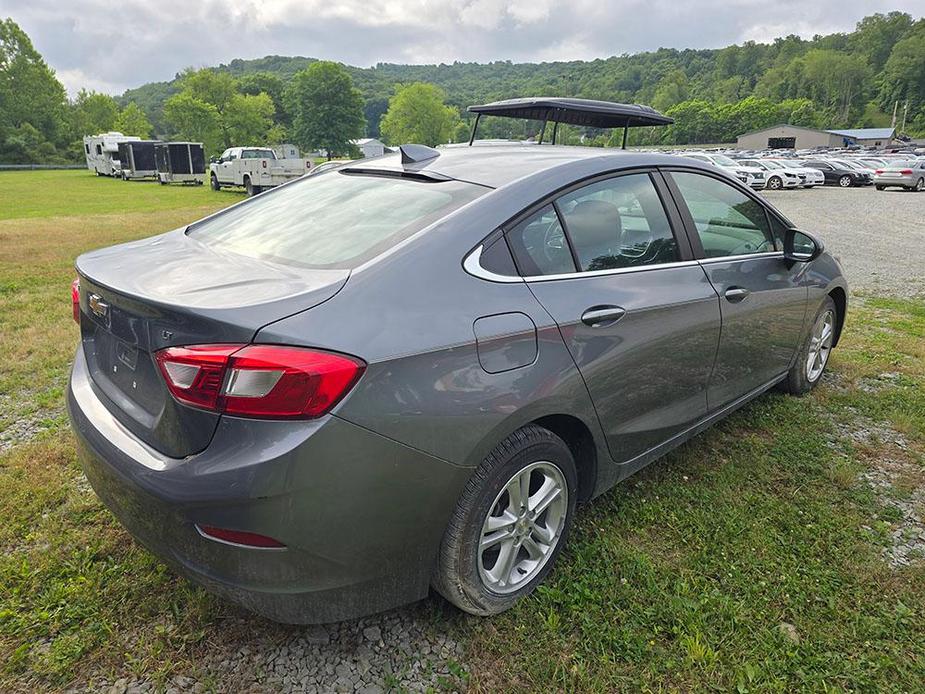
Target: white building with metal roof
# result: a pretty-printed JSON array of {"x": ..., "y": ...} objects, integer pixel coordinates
[{"x": 785, "y": 136}]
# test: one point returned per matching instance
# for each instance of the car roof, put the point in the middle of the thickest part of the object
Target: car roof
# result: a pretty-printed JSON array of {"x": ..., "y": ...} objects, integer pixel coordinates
[{"x": 497, "y": 165}]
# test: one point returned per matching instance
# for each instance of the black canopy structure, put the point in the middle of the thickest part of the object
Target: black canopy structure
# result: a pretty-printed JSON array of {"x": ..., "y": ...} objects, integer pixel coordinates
[{"x": 585, "y": 112}]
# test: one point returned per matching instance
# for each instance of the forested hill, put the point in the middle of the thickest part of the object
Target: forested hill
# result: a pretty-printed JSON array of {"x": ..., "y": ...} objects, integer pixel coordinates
[{"x": 850, "y": 79}]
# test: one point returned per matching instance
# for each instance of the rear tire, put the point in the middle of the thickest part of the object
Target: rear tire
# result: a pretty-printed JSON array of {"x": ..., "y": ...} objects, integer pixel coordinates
[
  {"x": 879, "y": 187},
  {"x": 920, "y": 185},
  {"x": 845, "y": 181},
  {"x": 805, "y": 375},
  {"x": 249, "y": 186},
  {"x": 497, "y": 548}
]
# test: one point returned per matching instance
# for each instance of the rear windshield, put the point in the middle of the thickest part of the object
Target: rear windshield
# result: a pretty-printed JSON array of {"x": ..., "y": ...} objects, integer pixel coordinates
[{"x": 332, "y": 220}]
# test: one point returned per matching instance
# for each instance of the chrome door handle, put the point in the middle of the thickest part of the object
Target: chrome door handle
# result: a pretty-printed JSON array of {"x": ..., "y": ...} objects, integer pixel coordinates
[
  {"x": 599, "y": 316},
  {"x": 736, "y": 294}
]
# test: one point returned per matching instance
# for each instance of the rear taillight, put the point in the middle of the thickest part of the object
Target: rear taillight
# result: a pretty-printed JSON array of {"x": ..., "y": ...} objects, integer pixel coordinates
[
  {"x": 75, "y": 300},
  {"x": 906, "y": 172},
  {"x": 265, "y": 381},
  {"x": 878, "y": 171}
]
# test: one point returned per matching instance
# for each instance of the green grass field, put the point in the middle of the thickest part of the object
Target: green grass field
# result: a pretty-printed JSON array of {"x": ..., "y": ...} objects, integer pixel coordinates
[{"x": 752, "y": 559}]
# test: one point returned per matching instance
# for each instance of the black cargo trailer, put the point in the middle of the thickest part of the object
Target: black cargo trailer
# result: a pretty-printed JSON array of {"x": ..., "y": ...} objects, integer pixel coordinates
[
  {"x": 137, "y": 159},
  {"x": 180, "y": 162}
]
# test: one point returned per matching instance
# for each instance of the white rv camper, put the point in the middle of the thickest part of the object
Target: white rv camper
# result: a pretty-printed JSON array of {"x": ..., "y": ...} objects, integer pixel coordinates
[{"x": 102, "y": 152}]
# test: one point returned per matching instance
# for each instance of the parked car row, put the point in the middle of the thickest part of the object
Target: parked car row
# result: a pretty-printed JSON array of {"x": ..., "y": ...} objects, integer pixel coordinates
[
  {"x": 781, "y": 169},
  {"x": 758, "y": 173}
]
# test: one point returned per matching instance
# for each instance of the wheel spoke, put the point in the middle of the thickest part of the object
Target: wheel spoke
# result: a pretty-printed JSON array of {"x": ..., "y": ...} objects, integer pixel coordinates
[
  {"x": 826, "y": 332},
  {"x": 501, "y": 572},
  {"x": 494, "y": 538},
  {"x": 545, "y": 495},
  {"x": 505, "y": 520},
  {"x": 544, "y": 533},
  {"x": 516, "y": 497},
  {"x": 534, "y": 549}
]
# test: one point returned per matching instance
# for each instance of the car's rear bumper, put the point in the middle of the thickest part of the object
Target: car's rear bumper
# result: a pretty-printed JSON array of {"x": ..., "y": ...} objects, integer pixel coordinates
[
  {"x": 902, "y": 181},
  {"x": 361, "y": 515}
]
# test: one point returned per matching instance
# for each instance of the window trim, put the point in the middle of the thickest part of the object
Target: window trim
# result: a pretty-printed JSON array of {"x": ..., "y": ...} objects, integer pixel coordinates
[
  {"x": 672, "y": 213},
  {"x": 691, "y": 227}
]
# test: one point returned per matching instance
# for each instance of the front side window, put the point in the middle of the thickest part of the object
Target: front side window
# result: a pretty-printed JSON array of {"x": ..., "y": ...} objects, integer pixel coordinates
[
  {"x": 616, "y": 223},
  {"x": 333, "y": 221},
  {"x": 728, "y": 222},
  {"x": 539, "y": 245}
]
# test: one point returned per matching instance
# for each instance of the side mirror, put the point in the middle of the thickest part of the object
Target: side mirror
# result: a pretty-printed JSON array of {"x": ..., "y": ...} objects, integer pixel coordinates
[{"x": 801, "y": 247}]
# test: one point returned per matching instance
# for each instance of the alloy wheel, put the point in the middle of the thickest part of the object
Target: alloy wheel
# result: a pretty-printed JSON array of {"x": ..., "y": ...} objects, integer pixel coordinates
[
  {"x": 774, "y": 183},
  {"x": 820, "y": 345},
  {"x": 844, "y": 181},
  {"x": 523, "y": 527},
  {"x": 920, "y": 185}
]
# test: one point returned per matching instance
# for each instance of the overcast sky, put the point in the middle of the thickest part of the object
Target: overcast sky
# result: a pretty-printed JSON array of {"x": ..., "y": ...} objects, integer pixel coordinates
[{"x": 110, "y": 46}]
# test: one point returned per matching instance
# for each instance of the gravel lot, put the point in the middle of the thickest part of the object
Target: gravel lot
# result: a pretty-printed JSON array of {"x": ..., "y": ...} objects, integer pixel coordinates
[
  {"x": 879, "y": 236},
  {"x": 404, "y": 650}
]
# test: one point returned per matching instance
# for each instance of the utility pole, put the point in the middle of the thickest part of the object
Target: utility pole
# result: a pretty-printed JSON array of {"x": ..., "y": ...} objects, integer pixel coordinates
[
  {"x": 893, "y": 122},
  {"x": 905, "y": 111}
]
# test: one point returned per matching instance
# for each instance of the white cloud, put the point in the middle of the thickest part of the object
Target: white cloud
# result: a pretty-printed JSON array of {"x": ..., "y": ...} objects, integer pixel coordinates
[{"x": 110, "y": 46}]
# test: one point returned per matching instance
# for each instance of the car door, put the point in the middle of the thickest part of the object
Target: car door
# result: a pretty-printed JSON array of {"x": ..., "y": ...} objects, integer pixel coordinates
[
  {"x": 611, "y": 264},
  {"x": 226, "y": 166},
  {"x": 828, "y": 171},
  {"x": 762, "y": 300}
]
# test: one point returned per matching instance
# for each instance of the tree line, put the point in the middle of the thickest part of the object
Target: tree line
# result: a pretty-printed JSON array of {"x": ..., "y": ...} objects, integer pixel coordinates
[{"x": 838, "y": 80}]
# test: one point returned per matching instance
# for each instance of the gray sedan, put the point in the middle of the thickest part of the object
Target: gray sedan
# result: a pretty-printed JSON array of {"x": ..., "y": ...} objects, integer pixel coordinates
[
  {"x": 406, "y": 372},
  {"x": 903, "y": 174}
]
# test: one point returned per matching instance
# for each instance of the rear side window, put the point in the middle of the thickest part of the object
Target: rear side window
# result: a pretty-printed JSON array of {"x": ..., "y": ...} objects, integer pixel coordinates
[
  {"x": 616, "y": 223},
  {"x": 539, "y": 245},
  {"x": 728, "y": 221},
  {"x": 332, "y": 221}
]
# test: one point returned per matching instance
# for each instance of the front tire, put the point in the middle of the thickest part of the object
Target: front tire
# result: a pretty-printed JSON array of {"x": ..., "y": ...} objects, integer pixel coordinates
[
  {"x": 774, "y": 183},
  {"x": 813, "y": 357},
  {"x": 213, "y": 182},
  {"x": 510, "y": 523},
  {"x": 845, "y": 181}
]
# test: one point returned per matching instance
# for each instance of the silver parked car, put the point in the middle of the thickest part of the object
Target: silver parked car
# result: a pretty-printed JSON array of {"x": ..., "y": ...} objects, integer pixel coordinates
[
  {"x": 406, "y": 372},
  {"x": 902, "y": 174}
]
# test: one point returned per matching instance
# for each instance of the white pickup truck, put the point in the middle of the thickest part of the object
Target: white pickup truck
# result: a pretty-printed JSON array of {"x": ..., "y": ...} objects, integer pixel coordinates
[{"x": 255, "y": 168}]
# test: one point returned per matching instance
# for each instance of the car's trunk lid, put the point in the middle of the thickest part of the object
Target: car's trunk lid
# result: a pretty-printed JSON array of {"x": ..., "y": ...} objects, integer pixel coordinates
[{"x": 171, "y": 290}]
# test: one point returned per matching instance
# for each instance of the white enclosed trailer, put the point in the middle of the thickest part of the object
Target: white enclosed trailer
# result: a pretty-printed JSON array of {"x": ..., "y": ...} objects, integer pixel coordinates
[{"x": 102, "y": 152}]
